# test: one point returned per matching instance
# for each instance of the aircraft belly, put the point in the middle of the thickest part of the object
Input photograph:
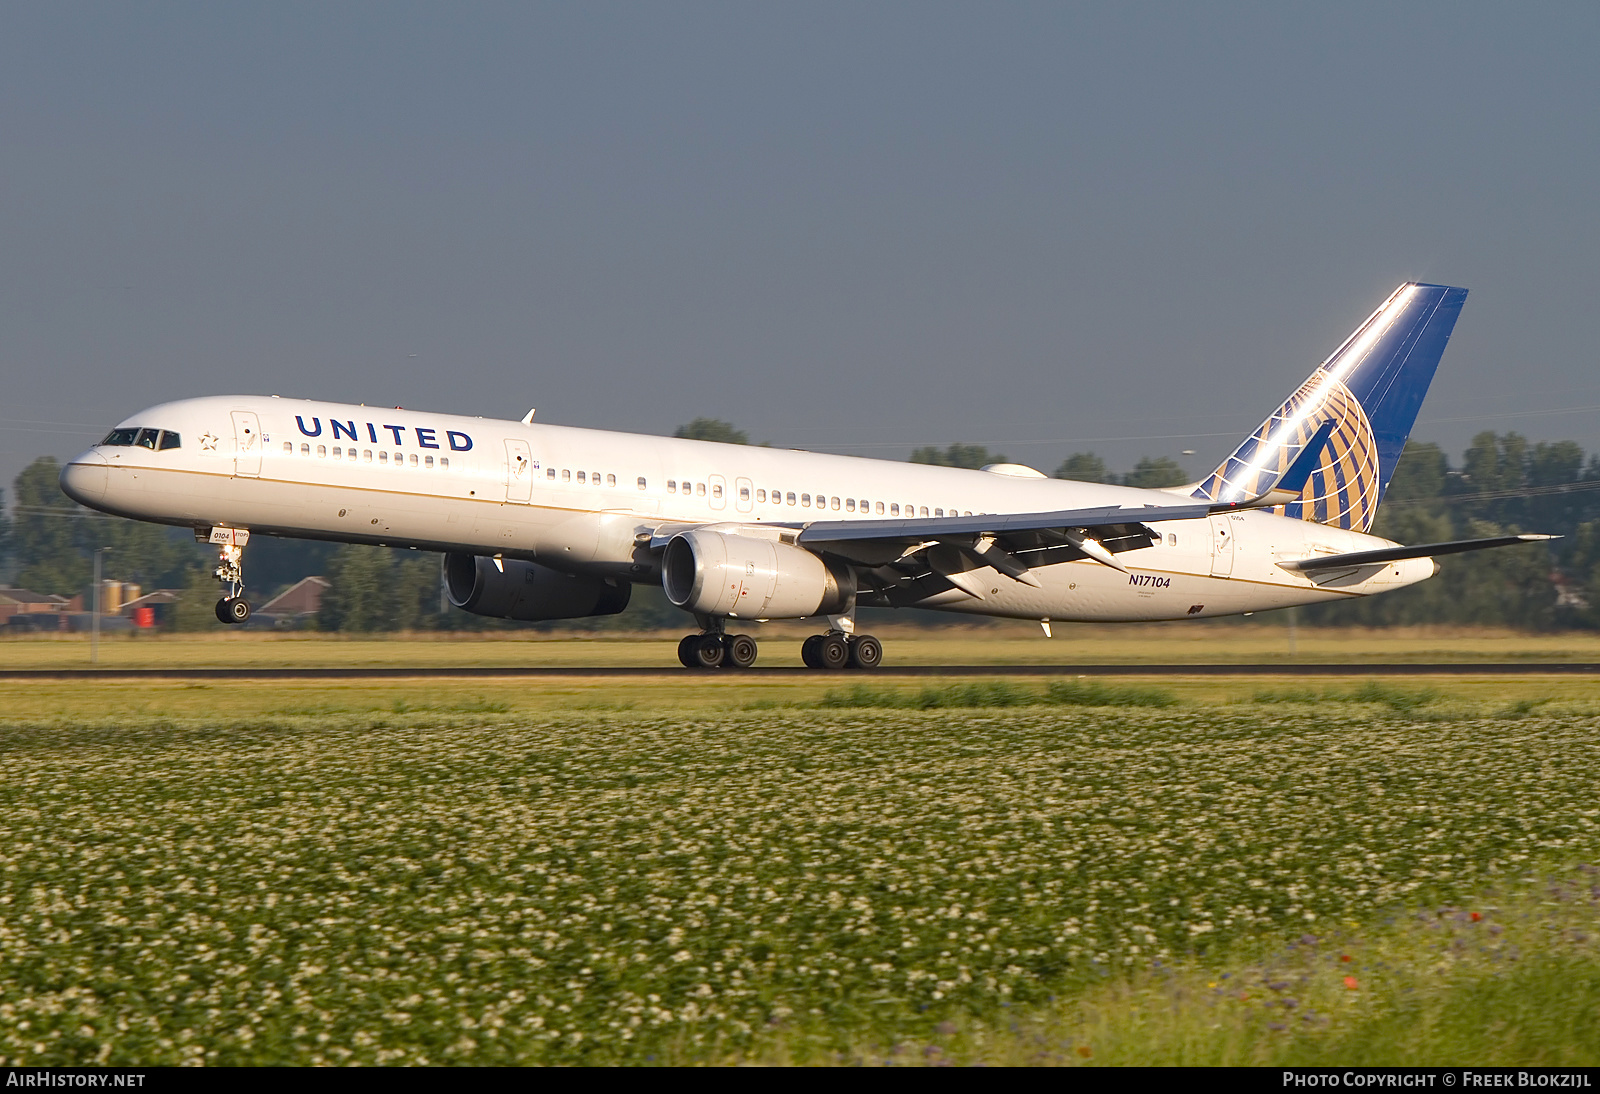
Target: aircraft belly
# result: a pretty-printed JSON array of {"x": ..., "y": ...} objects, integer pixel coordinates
[
  {"x": 361, "y": 514},
  {"x": 1089, "y": 592}
]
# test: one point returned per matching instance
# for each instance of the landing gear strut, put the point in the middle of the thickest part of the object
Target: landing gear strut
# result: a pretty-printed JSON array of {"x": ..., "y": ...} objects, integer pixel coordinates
[
  {"x": 837, "y": 650},
  {"x": 233, "y": 607}
]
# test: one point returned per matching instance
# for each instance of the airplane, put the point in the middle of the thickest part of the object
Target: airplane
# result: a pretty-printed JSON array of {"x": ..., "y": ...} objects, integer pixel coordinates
[{"x": 544, "y": 522}]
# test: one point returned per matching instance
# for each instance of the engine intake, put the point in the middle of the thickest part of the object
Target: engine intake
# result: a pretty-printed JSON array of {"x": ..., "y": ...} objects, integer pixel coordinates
[
  {"x": 714, "y": 573},
  {"x": 528, "y": 591}
]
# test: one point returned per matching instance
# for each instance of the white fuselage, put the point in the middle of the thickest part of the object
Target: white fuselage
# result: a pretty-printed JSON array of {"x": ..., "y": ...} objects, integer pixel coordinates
[{"x": 588, "y": 501}]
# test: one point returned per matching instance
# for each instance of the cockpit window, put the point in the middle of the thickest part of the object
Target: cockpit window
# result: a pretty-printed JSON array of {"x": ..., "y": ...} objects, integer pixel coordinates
[{"x": 153, "y": 439}]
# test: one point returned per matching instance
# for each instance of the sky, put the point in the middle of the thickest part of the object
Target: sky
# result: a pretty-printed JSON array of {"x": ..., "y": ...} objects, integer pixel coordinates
[{"x": 1124, "y": 228}]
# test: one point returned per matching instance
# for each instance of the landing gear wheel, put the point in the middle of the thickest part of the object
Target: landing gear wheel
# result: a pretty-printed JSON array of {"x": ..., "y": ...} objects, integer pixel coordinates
[
  {"x": 686, "y": 646},
  {"x": 866, "y": 652},
  {"x": 708, "y": 652},
  {"x": 233, "y": 609},
  {"x": 739, "y": 651},
  {"x": 833, "y": 652},
  {"x": 808, "y": 652}
]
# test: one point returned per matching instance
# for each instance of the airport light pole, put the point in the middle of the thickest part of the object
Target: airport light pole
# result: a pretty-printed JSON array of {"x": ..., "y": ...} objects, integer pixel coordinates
[{"x": 94, "y": 633}]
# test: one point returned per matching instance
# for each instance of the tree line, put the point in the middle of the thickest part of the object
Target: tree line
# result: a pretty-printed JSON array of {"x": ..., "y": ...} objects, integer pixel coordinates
[{"x": 1504, "y": 483}]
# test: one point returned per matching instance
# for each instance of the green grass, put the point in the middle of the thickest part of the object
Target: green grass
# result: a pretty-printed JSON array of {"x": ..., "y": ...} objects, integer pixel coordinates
[
  {"x": 1402, "y": 700},
  {"x": 1513, "y": 979},
  {"x": 410, "y": 883},
  {"x": 997, "y": 693}
]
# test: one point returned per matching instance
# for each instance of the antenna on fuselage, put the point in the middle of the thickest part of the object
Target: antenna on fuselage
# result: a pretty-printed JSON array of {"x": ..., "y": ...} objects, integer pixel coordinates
[{"x": 527, "y": 419}]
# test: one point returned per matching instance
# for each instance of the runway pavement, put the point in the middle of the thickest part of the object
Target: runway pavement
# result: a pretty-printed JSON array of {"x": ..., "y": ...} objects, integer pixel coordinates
[{"x": 1276, "y": 668}]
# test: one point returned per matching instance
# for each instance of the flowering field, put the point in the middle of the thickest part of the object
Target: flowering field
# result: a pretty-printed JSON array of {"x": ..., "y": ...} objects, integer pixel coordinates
[{"x": 595, "y": 886}]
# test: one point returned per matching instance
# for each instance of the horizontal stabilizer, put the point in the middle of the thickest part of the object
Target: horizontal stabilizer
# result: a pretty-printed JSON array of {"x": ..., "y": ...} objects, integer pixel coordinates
[{"x": 1395, "y": 554}]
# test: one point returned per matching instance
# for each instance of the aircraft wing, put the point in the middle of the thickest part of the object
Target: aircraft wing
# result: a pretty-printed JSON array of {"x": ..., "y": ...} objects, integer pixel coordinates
[
  {"x": 1012, "y": 543},
  {"x": 913, "y": 529}
]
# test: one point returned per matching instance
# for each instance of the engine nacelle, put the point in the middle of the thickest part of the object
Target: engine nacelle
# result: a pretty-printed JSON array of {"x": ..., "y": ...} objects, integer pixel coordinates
[
  {"x": 713, "y": 573},
  {"x": 528, "y": 591}
]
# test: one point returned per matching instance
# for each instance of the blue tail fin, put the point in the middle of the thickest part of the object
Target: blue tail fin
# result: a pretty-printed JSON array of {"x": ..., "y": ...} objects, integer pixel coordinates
[{"x": 1371, "y": 387}]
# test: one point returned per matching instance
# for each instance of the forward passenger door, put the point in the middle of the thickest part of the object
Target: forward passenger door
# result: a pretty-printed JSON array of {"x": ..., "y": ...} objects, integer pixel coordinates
[{"x": 246, "y": 443}]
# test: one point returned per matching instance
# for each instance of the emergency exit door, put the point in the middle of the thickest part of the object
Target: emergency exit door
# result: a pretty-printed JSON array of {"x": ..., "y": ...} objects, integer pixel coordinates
[{"x": 519, "y": 471}]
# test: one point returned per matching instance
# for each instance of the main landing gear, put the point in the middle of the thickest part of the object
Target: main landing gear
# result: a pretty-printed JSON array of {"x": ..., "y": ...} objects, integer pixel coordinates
[
  {"x": 837, "y": 650},
  {"x": 233, "y": 608},
  {"x": 834, "y": 650},
  {"x": 714, "y": 650}
]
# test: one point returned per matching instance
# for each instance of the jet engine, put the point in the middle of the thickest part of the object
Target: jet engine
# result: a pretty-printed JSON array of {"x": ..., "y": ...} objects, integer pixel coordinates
[
  {"x": 714, "y": 573},
  {"x": 528, "y": 591}
]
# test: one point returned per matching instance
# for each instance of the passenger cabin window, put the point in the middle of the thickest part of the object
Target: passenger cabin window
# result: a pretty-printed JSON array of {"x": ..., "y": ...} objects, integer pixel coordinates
[
  {"x": 1172, "y": 539},
  {"x": 938, "y": 512},
  {"x": 850, "y": 505},
  {"x": 366, "y": 456},
  {"x": 744, "y": 493},
  {"x": 288, "y": 446},
  {"x": 761, "y": 495},
  {"x": 700, "y": 489},
  {"x": 322, "y": 451},
  {"x": 716, "y": 490},
  {"x": 580, "y": 478},
  {"x": 549, "y": 472},
  {"x": 427, "y": 461},
  {"x": 835, "y": 503},
  {"x": 894, "y": 510},
  {"x": 641, "y": 482},
  {"x": 594, "y": 477},
  {"x": 305, "y": 449},
  {"x": 413, "y": 459},
  {"x": 672, "y": 486},
  {"x": 444, "y": 463},
  {"x": 383, "y": 457},
  {"x": 611, "y": 480},
  {"x": 805, "y": 499},
  {"x": 880, "y": 508},
  {"x": 791, "y": 497},
  {"x": 566, "y": 475},
  {"x": 924, "y": 510}
]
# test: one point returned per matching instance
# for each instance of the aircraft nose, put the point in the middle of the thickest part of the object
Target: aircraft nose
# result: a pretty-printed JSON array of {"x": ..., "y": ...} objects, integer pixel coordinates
[{"x": 84, "y": 479}]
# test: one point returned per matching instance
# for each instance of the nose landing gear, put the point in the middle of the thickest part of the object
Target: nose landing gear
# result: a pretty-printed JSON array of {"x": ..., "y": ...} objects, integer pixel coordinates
[{"x": 233, "y": 608}]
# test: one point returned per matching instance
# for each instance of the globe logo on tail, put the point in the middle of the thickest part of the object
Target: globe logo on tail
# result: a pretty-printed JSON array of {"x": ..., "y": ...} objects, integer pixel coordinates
[{"x": 1343, "y": 490}]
